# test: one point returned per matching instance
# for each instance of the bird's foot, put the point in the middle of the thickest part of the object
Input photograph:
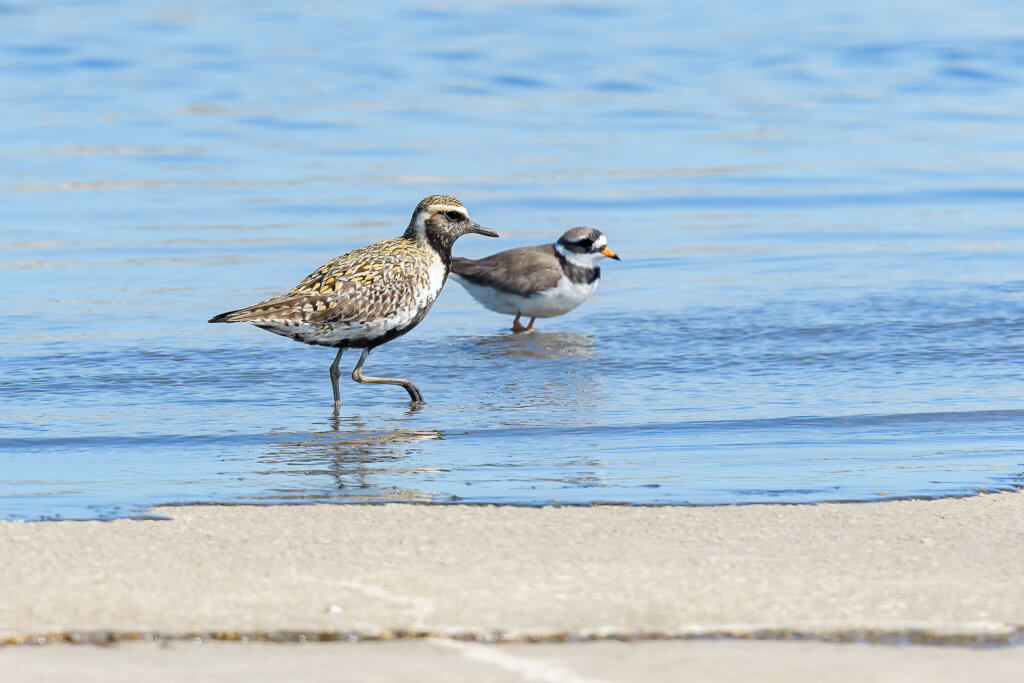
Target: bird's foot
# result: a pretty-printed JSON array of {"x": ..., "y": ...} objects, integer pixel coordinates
[
  {"x": 415, "y": 396},
  {"x": 517, "y": 326}
]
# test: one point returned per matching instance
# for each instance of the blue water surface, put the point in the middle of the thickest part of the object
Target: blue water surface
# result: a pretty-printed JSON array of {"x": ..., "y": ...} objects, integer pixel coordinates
[{"x": 819, "y": 207}]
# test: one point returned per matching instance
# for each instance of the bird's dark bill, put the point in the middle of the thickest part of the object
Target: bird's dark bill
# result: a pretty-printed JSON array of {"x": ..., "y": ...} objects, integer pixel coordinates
[{"x": 481, "y": 230}]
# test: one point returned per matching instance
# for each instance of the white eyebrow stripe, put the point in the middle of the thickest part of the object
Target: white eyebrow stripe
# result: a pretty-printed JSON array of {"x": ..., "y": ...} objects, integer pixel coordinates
[
  {"x": 448, "y": 207},
  {"x": 601, "y": 242}
]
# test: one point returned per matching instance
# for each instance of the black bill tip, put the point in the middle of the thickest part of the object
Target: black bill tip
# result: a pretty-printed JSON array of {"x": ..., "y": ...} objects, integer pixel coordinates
[{"x": 481, "y": 230}]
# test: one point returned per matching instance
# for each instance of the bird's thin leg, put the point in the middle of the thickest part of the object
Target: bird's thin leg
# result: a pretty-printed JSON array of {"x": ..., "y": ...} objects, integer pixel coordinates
[
  {"x": 335, "y": 374},
  {"x": 516, "y": 325},
  {"x": 357, "y": 374},
  {"x": 529, "y": 328}
]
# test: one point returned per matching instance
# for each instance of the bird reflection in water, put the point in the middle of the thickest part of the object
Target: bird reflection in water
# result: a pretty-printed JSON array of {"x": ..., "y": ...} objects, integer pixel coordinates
[
  {"x": 542, "y": 345},
  {"x": 357, "y": 459},
  {"x": 363, "y": 463}
]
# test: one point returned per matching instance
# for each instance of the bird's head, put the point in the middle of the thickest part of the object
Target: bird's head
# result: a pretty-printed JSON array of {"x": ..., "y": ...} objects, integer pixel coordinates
[
  {"x": 584, "y": 247},
  {"x": 440, "y": 220}
]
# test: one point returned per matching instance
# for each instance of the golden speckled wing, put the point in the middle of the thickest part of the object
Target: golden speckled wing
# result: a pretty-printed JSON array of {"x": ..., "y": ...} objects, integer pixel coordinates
[{"x": 365, "y": 285}]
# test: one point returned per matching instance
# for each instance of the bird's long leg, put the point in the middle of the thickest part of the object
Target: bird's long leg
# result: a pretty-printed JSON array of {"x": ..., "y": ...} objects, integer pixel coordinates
[
  {"x": 357, "y": 374},
  {"x": 529, "y": 328},
  {"x": 335, "y": 374},
  {"x": 517, "y": 326}
]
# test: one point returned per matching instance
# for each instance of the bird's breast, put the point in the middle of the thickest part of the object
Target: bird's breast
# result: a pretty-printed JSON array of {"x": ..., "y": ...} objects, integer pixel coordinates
[{"x": 436, "y": 274}]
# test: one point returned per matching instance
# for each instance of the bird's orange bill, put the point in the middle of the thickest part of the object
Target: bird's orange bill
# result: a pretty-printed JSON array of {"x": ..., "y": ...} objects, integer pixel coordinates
[{"x": 610, "y": 254}]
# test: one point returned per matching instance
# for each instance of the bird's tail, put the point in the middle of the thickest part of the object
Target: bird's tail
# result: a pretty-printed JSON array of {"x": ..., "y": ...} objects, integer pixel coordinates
[
  {"x": 281, "y": 307},
  {"x": 224, "y": 318}
]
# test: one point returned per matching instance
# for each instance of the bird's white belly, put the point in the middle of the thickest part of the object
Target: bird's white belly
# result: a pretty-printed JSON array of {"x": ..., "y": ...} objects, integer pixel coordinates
[{"x": 558, "y": 300}]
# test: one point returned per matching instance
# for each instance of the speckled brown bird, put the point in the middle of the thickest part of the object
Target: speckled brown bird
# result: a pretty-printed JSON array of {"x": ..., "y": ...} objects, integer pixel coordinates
[{"x": 371, "y": 295}]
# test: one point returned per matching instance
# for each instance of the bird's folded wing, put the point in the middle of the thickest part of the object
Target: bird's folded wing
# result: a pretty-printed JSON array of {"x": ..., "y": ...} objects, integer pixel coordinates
[
  {"x": 352, "y": 301},
  {"x": 521, "y": 272},
  {"x": 356, "y": 287},
  {"x": 296, "y": 308}
]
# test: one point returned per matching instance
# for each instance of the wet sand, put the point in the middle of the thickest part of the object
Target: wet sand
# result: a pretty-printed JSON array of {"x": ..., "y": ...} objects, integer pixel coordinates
[{"x": 945, "y": 571}]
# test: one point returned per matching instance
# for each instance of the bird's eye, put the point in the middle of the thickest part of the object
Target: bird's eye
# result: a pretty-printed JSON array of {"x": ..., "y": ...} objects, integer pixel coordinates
[
  {"x": 454, "y": 215},
  {"x": 586, "y": 243}
]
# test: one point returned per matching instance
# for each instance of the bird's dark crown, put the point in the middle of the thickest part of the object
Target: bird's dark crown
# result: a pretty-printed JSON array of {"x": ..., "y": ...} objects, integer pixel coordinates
[
  {"x": 582, "y": 240},
  {"x": 438, "y": 200}
]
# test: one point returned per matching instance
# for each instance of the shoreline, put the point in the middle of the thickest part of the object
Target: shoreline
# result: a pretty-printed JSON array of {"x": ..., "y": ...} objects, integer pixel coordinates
[{"x": 148, "y": 515}]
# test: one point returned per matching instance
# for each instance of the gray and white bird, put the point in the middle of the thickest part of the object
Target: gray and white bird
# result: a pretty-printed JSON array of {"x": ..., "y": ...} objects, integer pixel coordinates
[
  {"x": 371, "y": 295},
  {"x": 541, "y": 281}
]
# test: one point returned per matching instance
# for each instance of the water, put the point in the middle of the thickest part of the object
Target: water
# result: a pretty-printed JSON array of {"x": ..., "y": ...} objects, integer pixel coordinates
[{"x": 819, "y": 211}]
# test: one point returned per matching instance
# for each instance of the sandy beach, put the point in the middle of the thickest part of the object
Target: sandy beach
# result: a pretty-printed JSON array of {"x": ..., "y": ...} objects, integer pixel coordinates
[{"x": 502, "y": 588}]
